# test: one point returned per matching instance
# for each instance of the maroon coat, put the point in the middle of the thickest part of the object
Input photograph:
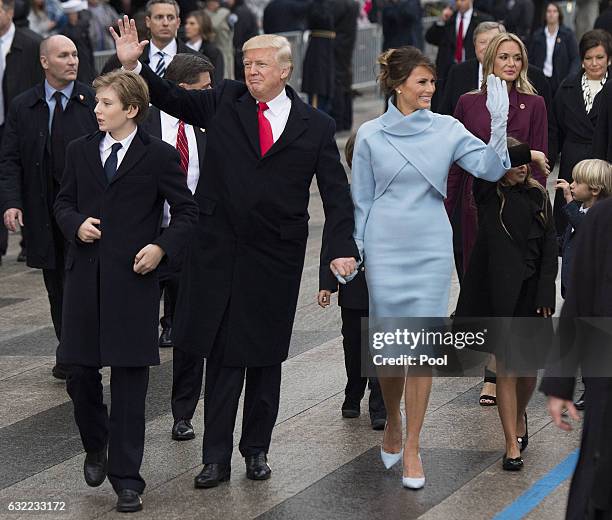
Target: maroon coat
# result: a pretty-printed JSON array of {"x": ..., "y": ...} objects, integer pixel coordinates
[{"x": 527, "y": 122}]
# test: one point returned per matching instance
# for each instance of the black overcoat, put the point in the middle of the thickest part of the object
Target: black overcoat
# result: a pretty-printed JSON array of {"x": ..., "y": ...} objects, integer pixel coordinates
[
  {"x": 110, "y": 313},
  {"x": 589, "y": 295},
  {"x": 571, "y": 130},
  {"x": 319, "y": 65},
  {"x": 248, "y": 253},
  {"x": 566, "y": 58},
  {"x": 602, "y": 142},
  {"x": 496, "y": 272},
  {"x": 23, "y": 164},
  {"x": 346, "y": 14},
  {"x": 22, "y": 66}
]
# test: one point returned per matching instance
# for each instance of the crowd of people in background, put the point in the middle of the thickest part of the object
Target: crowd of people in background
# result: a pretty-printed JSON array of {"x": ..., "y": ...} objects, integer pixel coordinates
[{"x": 558, "y": 104}]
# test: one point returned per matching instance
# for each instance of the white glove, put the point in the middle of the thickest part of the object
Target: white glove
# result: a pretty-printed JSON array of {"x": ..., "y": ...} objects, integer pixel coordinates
[{"x": 497, "y": 100}]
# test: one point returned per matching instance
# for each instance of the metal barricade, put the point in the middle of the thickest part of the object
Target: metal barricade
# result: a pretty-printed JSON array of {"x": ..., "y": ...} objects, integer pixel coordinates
[
  {"x": 100, "y": 58},
  {"x": 367, "y": 48}
]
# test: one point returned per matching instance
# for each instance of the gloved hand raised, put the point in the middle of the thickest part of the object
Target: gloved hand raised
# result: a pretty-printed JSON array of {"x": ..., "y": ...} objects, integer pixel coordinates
[{"x": 497, "y": 99}]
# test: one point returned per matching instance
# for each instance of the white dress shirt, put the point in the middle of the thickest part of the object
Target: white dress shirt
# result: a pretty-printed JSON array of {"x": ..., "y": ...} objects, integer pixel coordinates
[
  {"x": 278, "y": 113},
  {"x": 467, "y": 18},
  {"x": 551, "y": 39},
  {"x": 194, "y": 46},
  {"x": 107, "y": 143},
  {"x": 169, "y": 129},
  {"x": 479, "y": 76},
  {"x": 169, "y": 51}
]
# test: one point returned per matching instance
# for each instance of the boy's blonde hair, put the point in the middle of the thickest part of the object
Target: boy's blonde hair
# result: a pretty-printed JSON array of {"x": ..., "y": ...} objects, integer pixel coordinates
[
  {"x": 130, "y": 88},
  {"x": 274, "y": 41},
  {"x": 595, "y": 173}
]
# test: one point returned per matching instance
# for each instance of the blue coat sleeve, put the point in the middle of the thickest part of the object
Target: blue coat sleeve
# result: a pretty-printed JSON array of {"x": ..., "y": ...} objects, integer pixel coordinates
[
  {"x": 485, "y": 161},
  {"x": 362, "y": 190}
]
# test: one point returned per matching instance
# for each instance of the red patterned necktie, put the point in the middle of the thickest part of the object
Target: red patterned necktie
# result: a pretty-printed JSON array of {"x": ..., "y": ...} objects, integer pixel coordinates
[
  {"x": 182, "y": 146},
  {"x": 459, "y": 43},
  {"x": 266, "y": 140}
]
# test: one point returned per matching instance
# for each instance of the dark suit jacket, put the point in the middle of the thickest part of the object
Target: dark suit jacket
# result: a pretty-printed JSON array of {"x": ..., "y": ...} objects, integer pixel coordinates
[
  {"x": 463, "y": 78},
  {"x": 566, "y": 58},
  {"x": 445, "y": 38},
  {"x": 152, "y": 125},
  {"x": 24, "y": 175},
  {"x": 113, "y": 62},
  {"x": 518, "y": 19},
  {"x": 22, "y": 70},
  {"x": 253, "y": 220},
  {"x": 110, "y": 312}
]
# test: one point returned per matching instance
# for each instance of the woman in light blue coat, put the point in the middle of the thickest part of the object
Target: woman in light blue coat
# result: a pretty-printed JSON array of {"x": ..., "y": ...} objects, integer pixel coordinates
[{"x": 400, "y": 167}]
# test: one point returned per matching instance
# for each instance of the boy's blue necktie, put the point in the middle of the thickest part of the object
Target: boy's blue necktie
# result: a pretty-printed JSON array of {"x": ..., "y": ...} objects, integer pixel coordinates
[{"x": 110, "y": 166}]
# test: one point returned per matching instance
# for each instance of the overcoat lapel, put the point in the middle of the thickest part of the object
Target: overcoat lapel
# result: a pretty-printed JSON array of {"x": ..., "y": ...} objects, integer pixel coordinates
[
  {"x": 135, "y": 153},
  {"x": 92, "y": 156},
  {"x": 247, "y": 113},
  {"x": 296, "y": 125}
]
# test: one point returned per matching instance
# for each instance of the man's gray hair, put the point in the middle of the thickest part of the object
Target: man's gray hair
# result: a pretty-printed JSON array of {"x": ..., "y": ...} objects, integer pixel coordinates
[{"x": 484, "y": 27}]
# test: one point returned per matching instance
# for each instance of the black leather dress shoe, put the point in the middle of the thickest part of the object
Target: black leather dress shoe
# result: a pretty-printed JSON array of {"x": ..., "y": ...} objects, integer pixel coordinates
[
  {"x": 212, "y": 475},
  {"x": 165, "y": 338},
  {"x": 21, "y": 257},
  {"x": 128, "y": 501},
  {"x": 94, "y": 468},
  {"x": 350, "y": 410},
  {"x": 60, "y": 371},
  {"x": 182, "y": 430},
  {"x": 512, "y": 464},
  {"x": 378, "y": 423},
  {"x": 257, "y": 467}
]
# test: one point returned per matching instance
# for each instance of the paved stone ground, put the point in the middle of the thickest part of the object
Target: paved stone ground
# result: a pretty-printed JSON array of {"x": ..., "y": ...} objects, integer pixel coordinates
[{"x": 324, "y": 467}]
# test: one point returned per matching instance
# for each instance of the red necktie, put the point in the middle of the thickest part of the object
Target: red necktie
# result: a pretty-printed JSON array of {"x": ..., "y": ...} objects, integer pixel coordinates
[
  {"x": 182, "y": 146},
  {"x": 459, "y": 43},
  {"x": 265, "y": 129}
]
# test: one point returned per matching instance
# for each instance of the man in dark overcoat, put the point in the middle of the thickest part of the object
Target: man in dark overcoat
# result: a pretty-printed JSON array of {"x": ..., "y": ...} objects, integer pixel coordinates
[
  {"x": 109, "y": 209},
  {"x": 32, "y": 161},
  {"x": 191, "y": 72},
  {"x": 19, "y": 70},
  {"x": 241, "y": 278},
  {"x": 588, "y": 296},
  {"x": 451, "y": 48}
]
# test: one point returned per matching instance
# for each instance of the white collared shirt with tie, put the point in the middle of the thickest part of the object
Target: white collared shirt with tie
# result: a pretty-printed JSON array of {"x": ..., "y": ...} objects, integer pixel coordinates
[
  {"x": 107, "y": 143},
  {"x": 169, "y": 52},
  {"x": 169, "y": 132},
  {"x": 278, "y": 113}
]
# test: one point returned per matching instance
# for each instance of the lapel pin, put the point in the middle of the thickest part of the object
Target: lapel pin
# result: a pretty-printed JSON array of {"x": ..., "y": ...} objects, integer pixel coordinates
[
  {"x": 522, "y": 106},
  {"x": 558, "y": 40},
  {"x": 81, "y": 97}
]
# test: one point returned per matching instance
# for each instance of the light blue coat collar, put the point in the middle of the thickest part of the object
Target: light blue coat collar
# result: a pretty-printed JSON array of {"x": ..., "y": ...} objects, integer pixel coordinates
[{"x": 396, "y": 123}]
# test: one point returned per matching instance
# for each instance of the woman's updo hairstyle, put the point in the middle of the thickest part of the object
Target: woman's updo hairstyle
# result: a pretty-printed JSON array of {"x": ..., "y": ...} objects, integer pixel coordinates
[{"x": 397, "y": 64}]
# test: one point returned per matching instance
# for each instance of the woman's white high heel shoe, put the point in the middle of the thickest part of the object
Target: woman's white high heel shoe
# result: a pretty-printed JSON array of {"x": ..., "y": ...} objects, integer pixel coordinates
[
  {"x": 391, "y": 459},
  {"x": 413, "y": 483}
]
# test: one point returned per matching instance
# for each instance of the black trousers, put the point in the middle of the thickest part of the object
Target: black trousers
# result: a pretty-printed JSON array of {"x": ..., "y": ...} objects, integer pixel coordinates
[
  {"x": 54, "y": 280},
  {"x": 187, "y": 372},
  {"x": 222, "y": 390},
  {"x": 355, "y": 382},
  {"x": 169, "y": 274},
  {"x": 124, "y": 430}
]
